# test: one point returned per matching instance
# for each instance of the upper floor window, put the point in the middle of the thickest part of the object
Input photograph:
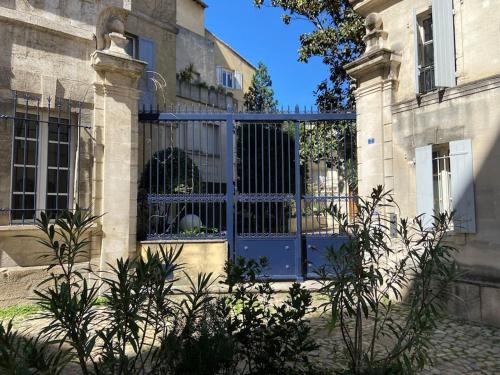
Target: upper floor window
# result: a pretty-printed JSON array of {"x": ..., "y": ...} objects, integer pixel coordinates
[
  {"x": 229, "y": 78},
  {"x": 426, "y": 56},
  {"x": 41, "y": 166},
  {"x": 434, "y": 46}
]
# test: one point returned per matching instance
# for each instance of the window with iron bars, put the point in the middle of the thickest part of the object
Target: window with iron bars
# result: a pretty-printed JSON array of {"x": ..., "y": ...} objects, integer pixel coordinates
[
  {"x": 426, "y": 56},
  {"x": 42, "y": 160},
  {"x": 442, "y": 179}
]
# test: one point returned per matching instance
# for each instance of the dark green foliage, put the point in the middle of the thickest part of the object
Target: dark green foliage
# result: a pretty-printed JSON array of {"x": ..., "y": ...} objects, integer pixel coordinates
[
  {"x": 337, "y": 38},
  {"x": 367, "y": 277},
  {"x": 170, "y": 171},
  {"x": 20, "y": 355},
  {"x": 265, "y": 164},
  {"x": 143, "y": 325},
  {"x": 260, "y": 95},
  {"x": 272, "y": 338}
]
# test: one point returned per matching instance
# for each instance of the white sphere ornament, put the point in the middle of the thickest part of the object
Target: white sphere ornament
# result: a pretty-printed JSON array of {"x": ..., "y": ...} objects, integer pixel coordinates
[{"x": 190, "y": 222}]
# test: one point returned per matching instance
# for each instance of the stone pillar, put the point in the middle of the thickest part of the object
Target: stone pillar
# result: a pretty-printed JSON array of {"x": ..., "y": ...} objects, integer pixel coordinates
[
  {"x": 375, "y": 73},
  {"x": 116, "y": 145}
]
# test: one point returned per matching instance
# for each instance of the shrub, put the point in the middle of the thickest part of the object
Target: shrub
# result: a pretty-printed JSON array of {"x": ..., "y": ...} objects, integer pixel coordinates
[
  {"x": 143, "y": 325},
  {"x": 372, "y": 270}
]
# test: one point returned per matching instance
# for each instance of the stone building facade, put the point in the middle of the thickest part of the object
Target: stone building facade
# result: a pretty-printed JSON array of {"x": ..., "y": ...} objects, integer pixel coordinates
[
  {"x": 428, "y": 88},
  {"x": 102, "y": 60}
]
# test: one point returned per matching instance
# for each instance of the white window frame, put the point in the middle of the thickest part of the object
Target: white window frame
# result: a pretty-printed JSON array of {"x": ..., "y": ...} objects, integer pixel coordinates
[
  {"x": 42, "y": 161},
  {"x": 421, "y": 53},
  {"x": 460, "y": 184},
  {"x": 223, "y": 78},
  {"x": 441, "y": 170}
]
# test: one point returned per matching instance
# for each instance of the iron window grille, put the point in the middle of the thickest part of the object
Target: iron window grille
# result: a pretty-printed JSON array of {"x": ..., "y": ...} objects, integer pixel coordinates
[
  {"x": 44, "y": 162},
  {"x": 441, "y": 169}
]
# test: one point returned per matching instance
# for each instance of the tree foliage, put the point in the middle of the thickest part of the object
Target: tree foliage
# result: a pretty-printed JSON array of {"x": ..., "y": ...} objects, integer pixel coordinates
[
  {"x": 260, "y": 95},
  {"x": 337, "y": 38}
]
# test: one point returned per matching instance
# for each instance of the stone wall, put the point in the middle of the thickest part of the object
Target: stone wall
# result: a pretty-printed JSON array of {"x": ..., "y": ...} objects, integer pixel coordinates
[
  {"x": 196, "y": 49},
  {"x": 390, "y": 113},
  {"x": 228, "y": 58}
]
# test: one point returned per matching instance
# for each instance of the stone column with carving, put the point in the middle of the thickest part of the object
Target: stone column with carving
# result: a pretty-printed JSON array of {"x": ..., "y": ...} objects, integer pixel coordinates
[
  {"x": 376, "y": 73},
  {"x": 116, "y": 137}
]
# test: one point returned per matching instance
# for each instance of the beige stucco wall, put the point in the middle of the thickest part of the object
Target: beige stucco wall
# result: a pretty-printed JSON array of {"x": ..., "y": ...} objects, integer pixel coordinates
[
  {"x": 191, "y": 16},
  {"x": 477, "y": 33},
  {"x": 228, "y": 58},
  {"x": 389, "y": 111},
  {"x": 47, "y": 47},
  {"x": 196, "y": 257}
]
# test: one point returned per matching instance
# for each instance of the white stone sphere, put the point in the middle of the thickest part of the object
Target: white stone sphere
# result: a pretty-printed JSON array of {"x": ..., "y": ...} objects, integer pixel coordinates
[{"x": 190, "y": 222}]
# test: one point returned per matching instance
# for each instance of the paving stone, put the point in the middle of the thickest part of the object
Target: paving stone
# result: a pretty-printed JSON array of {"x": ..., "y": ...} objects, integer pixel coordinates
[{"x": 459, "y": 347}]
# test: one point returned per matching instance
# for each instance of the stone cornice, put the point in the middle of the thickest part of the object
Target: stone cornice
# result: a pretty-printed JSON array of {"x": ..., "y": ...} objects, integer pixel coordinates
[
  {"x": 108, "y": 61},
  {"x": 365, "y": 7},
  {"x": 16, "y": 16},
  {"x": 466, "y": 89},
  {"x": 373, "y": 61}
]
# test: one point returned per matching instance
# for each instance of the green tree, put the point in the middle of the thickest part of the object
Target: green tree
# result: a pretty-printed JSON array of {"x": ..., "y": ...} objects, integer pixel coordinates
[
  {"x": 260, "y": 95},
  {"x": 337, "y": 38}
]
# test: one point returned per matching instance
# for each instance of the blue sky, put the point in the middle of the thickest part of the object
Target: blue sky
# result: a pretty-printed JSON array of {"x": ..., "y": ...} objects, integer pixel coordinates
[{"x": 260, "y": 35}]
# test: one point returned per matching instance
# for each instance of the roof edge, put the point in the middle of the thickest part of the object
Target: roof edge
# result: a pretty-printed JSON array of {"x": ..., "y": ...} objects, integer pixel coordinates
[
  {"x": 202, "y": 3},
  {"x": 232, "y": 49}
]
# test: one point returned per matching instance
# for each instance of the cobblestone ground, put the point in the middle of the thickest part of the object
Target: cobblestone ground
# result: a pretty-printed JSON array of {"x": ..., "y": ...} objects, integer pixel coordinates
[{"x": 459, "y": 347}]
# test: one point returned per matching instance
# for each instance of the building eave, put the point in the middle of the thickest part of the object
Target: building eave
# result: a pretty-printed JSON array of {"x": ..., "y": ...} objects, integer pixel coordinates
[
  {"x": 232, "y": 49},
  {"x": 201, "y": 3}
]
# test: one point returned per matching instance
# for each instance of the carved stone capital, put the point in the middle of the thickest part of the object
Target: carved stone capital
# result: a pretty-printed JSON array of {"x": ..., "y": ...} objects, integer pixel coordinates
[
  {"x": 116, "y": 68},
  {"x": 383, "y": 63}
]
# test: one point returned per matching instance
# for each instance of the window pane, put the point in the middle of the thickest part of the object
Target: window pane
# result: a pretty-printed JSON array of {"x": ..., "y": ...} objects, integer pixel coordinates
[
  {"x": 18, "y": 178},
  {"x": 28, "y": 158},
  {"x": 25, "y": 128},
  {"x": 53, "y": 181},
  {"x": 427, "y": 23},
  {"x": 55, "y": 204},
  {"x": 53, "y": 160},
  {"x": 58, "y": 130},
  {"x": 20, "y": 212},
  {"x": 429, "y": 54}
]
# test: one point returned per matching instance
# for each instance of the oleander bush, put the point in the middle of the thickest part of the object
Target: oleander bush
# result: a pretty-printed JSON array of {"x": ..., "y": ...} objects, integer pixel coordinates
[
  {"x": 386, "y": 287},
  {"x": 146, "y": 325}
]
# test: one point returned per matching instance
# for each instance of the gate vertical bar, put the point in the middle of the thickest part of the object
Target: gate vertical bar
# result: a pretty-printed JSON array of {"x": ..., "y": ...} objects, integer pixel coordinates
[
  {"x": 298, "y": 206},
  {"x": 230, "y": 182}
]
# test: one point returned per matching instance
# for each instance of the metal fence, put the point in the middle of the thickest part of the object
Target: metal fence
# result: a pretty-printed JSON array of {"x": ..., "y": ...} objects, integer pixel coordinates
[
  {"x": 40, "y": 157},
  {"x": 261, "y": 181}
]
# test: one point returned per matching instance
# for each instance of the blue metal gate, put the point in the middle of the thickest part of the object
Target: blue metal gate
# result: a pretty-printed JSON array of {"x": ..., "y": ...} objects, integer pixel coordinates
[{"x": 265, "y": 182}]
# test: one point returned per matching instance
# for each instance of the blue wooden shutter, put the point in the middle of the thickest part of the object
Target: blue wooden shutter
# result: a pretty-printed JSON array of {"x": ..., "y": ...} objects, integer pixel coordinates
[
  {"x": 425, "y": 185},
  {"x": 147, "y": 53},
  {"x": 462, "y": 186},
  {"x": 444, "y": 43},
  {"x": 416, "y": 47}
]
